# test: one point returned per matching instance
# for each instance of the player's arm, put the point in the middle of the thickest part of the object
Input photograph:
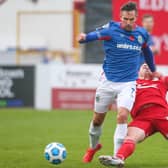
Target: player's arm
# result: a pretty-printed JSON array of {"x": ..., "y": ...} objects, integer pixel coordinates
[
  {"x": 152, "y": 45},
  {"x": 149, "y": 57},
  {"x": 84, "y": 38},
  {"x": 100, "y": 34}
]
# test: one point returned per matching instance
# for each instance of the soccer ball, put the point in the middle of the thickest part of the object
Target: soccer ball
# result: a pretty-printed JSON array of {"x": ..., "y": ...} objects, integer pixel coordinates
[{"x": 55, "y": 153}]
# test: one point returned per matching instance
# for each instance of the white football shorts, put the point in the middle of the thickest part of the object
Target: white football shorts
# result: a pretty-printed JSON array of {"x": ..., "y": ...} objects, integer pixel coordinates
[{"x": 108, "y": 92}]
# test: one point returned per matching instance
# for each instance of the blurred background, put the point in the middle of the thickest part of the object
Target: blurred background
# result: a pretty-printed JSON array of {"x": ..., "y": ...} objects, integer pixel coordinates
[{"x": 42, "y": 66}]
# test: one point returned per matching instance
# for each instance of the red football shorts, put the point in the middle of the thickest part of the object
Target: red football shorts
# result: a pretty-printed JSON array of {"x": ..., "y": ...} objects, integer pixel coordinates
[{"x": 152, "y": 119}]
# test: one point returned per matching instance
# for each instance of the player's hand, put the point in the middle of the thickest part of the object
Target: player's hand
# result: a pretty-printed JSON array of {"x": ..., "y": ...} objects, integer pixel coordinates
[
  {"x": 81, "y": 37},
  {"x": 157, "y": 74}
]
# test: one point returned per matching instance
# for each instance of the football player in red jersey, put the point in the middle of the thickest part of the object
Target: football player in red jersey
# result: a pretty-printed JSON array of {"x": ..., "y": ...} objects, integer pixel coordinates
[{"x": 149, "y": 114}]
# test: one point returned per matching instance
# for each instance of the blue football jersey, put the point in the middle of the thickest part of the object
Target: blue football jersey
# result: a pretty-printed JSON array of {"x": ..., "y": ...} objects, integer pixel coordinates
[{"x": 122, "y": 51}]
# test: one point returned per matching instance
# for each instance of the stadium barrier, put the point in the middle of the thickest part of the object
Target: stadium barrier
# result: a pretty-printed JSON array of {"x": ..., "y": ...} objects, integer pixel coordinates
[
  {"x": 49, "y": 86},
  {"x": 66, "y": 87},
  {"x": 69, "y": 86}
]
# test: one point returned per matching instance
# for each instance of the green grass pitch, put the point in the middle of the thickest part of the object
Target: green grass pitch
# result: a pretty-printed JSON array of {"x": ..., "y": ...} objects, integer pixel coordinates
[{"x": 24, "y": 133}]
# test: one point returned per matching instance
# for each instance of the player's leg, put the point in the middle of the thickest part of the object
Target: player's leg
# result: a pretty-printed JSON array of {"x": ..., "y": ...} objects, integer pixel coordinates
[
  {"x": 134, "y": 136},
  {"x": 121, "y": 129},
  {"x": 103, "y": 99},
  {"x": 95, "y": 131},
  {"x": 125, "y": 102},
  {"x": 137, "y": 132},
  {"x": 127, "y": 148}
]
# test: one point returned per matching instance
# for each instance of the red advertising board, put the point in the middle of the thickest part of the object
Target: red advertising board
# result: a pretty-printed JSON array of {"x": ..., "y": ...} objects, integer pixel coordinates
[
  {"x": 69, "y": 98},
  {"x": 159, "y": 9}
]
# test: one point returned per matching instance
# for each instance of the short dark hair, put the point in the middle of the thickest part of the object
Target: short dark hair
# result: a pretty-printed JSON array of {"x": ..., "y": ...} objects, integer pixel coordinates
[{"x": 129, "y": 6}]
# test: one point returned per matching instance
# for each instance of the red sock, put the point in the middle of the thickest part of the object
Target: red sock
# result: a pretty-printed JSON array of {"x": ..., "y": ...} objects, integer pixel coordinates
[{"x": 126, "y": 149}]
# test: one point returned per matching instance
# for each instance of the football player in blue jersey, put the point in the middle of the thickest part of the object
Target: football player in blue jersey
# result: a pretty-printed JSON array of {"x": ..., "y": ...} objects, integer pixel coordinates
[{"x": 123, "y": 43}]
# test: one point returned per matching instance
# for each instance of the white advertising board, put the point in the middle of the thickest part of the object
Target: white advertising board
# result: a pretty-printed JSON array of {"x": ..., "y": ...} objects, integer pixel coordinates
[
  {"x": 75, "y": 76},
  {"x": 69, "y": 86}
]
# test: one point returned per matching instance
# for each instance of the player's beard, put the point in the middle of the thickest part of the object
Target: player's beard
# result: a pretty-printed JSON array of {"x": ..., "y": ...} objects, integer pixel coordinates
[{"x": 128, "y": 28}]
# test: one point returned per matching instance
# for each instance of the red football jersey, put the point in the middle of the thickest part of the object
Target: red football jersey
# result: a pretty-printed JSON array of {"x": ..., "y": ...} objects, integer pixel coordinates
[{"x": 150, "y": 92}]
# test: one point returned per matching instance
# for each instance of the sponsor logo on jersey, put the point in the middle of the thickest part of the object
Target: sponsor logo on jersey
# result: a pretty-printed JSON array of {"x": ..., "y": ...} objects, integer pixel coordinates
[
  {"x": 140, "y": 40},
  {"x": 142, "y": 86},
  {"x": 130, "y": 47}
]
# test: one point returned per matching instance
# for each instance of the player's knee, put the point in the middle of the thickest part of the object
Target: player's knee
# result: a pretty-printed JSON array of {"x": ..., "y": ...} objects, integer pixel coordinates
[
  {"x": 98, "y": 119},
  {"x": 122, "y": 117},
  {"x": 97, "y": 122}
]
